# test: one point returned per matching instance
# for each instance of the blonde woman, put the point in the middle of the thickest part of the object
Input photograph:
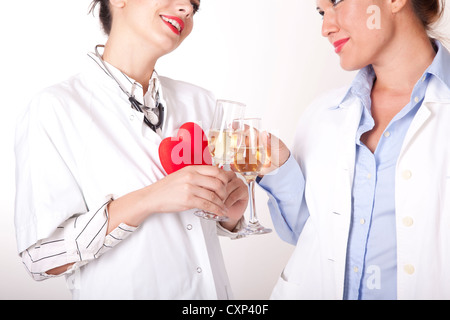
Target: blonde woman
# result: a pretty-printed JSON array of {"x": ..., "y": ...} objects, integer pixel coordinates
[{"x": 365, "y": 197}]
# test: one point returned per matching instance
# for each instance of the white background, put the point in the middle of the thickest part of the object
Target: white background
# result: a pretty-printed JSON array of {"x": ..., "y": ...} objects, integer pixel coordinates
[{"x": 267, "y": 54}]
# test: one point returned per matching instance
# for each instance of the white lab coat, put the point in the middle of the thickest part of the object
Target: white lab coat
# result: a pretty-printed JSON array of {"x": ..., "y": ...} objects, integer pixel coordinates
[
  {"x": 325, "y": 149},
  {"x": 80, "y": 143}
]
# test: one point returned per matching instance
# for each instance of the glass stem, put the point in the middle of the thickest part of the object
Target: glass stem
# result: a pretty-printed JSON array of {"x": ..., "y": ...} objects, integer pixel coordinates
[{"x": 251, "y": 194}]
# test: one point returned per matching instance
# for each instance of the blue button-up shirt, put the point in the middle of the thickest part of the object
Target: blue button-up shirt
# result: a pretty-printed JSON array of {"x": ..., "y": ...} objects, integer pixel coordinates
[
  {"x": 371, "y": 266},
  {"x": 371, "y": 260}
]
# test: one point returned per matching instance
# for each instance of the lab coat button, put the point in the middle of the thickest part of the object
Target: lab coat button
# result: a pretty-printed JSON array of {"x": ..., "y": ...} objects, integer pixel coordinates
[
  {"x": 199, "y": 270},
  {"x": 406, "y": 174},
  {"x": 132, "y": 117},
  {"x": 189, "y": 227},
  {"x": 409, "y": 269},
  {"x": 408, "y": 221}
]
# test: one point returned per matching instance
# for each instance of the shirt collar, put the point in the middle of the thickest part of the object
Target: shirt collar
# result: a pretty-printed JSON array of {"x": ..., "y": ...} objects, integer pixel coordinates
[
  {"x": 129, "y": 84},
  {"x": 440, "y": 68},
  {"x": 360, "y": 88},
  {"x": 362, "y": 84}
]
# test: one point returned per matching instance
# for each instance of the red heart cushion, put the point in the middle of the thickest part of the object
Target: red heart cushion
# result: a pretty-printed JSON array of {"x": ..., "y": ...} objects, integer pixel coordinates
[{"x": 189, "y": 147}]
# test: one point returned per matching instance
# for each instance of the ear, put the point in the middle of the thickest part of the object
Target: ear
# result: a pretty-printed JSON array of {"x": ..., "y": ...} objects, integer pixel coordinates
[
  {"x": 118, "y": 3},
  {"x": 397, "y": 5}
]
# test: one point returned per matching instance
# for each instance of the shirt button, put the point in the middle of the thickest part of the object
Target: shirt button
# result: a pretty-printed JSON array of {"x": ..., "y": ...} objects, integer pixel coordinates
[
  {"x": 406, "y": 174},
  {"x": 362, "y": 221},
  {"x": 189, "y": 227},
  {"x": 387, "y": 134},
  {"x": 408, "y": 221},
  {"x": 416, "y": 99},
  {"x": 409, "y": 269},
  {"x": 355, "y": 269},
  {"x": 199, "y": 270},
  {"x": 369, "y": 176}
]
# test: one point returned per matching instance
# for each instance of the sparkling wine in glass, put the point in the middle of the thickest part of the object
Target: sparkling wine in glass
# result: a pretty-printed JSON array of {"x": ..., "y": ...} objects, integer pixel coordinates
[
  {"x": 248, "y": 160},
  {"x": 221, "y": 141}
]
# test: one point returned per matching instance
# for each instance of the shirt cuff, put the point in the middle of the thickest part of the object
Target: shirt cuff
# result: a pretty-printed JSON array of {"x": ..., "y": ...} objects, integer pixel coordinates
[
  {"x": 235, "y": 233},
  {"x": 115, "y": 237},
  {"x": 88, "y": 239},
  {"x": 77, "y": 241},
  {"x": 280, "y": 183}
]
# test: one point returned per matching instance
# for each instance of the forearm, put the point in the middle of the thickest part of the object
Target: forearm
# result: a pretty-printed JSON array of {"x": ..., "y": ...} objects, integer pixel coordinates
[
  {"x": 180, "y": 191},
  {"x": 287, "y": 206},
  {"x": 125, "y": 210},
  {"x": 130, "y": 209},
  {"x": 77, "y": 241}
]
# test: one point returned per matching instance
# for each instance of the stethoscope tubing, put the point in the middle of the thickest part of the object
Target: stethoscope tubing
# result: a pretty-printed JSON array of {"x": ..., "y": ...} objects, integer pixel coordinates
[{"x": 136, "y": 104}]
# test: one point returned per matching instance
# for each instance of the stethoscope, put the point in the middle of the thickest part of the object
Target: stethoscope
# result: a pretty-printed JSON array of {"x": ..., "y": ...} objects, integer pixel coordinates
[{"x": 156, "y": 121}]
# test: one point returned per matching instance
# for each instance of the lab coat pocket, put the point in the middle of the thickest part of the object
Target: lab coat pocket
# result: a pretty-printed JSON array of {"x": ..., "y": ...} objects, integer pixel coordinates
[{"x": 285, "y": 290}]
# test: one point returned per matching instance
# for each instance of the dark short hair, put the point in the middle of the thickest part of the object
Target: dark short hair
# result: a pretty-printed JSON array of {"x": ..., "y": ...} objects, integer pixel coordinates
[{"x": 104, "y": 14}]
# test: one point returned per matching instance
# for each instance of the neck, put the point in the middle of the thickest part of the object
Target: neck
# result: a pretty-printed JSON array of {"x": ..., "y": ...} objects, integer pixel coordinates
[
  {"x": 136, "y": 61},
  {"x": 405, "y": 62}
]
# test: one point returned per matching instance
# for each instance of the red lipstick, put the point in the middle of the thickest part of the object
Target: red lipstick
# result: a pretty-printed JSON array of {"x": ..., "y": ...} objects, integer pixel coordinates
[
  {"x": 174, "y": 23},
  {"x": 339, "y": 45}
]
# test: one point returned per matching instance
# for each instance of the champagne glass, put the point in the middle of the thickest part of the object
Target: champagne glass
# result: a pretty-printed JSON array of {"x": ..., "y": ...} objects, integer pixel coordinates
[
  {"x": 220, "y": 141},
  {"x": 249, "y": 158}
]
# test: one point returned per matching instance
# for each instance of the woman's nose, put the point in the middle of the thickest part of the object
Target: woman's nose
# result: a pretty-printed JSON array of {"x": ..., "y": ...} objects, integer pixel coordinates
[
  {"x": 329, "y": 25},
  {"x": 185, "y": 7}
]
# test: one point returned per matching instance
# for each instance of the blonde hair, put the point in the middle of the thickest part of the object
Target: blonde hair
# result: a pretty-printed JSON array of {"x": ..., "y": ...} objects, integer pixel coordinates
[{"x": 428, "y": 11}]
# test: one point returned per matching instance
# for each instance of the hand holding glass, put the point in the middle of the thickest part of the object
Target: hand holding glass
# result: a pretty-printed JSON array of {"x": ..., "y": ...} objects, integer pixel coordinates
[
  {"x": 220, "y": 141},
  {"x": 249, "y": 158}
]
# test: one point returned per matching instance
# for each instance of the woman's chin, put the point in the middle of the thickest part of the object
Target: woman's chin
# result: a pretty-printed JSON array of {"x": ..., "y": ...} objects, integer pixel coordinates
[{"x": 350, "y": 64}]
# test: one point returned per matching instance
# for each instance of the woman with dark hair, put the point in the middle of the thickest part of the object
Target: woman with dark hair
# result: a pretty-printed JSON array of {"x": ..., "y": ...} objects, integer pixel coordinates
[
  {"x": 366, "y": 194},
  {"x": 93, "y": 201}
]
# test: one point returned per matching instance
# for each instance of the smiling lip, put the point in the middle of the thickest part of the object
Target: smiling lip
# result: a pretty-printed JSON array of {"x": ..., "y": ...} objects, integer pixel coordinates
[
  {"x": 339, "y": 45},
  {"x": 174, "y": 23}
]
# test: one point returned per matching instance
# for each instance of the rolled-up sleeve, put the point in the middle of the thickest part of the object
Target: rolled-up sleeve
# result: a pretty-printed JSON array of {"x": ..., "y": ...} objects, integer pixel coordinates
[
  {"x": 55, "y": 226},
  {"x": 77, "y": 241}
]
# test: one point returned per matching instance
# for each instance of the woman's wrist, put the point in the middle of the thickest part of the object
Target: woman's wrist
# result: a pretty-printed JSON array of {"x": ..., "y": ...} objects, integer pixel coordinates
[{"x": 129, "y": 209}]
